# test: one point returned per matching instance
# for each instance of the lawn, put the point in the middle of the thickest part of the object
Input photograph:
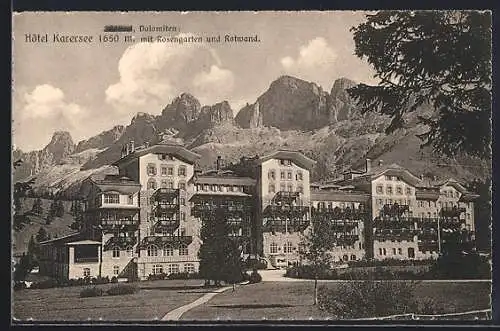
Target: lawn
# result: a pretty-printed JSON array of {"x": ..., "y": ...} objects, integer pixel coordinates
[
  {"x": 293, "y": 301},
  {"x": 153, "y": 301}
]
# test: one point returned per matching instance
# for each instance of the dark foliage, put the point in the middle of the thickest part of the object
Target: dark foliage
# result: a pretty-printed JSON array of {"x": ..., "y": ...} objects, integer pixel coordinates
[
  {"x": 91, "y": 292},
  {"x": 255, "y": 277},
  {"x": 122, "y": 289},
  {"x": 441, "y": 58}
]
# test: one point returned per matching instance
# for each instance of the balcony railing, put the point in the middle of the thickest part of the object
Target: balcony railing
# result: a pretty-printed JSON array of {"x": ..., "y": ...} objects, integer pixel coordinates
[
  {"x": 163, "y": 192},
  {"x": 394, "y": 210},
  {"x": 107, "y": 223},
  {"x": 282, "y": 226},
  {"x": 285, "y": 210},
  {"x": 121, "y": 242},
  {"x": 166, "y": 208},
  {"x": 163, "y": 241},
  {"x": 451, "y": 211},
  {"x": 346, "y": 239},
  {"x": 169, "y": 225},
  {"x": 339, "y": 213}
]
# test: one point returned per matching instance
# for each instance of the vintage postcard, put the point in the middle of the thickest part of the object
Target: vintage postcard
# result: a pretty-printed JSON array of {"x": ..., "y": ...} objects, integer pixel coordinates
[{"x": 251, "y": 166}]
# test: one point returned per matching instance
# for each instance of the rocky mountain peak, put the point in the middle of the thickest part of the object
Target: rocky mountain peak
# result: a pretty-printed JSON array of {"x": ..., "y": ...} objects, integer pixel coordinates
[
  {"x": 61, "y": 145},
  {"x": 339, "y": 88},
  {"x": 183, "y": 109},
  {"x": 142, "y": 117},
  {"x": 219, "y": 113}
]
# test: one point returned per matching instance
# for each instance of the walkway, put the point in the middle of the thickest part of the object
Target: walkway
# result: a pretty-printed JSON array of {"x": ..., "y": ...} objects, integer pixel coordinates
[
  {"x": 176, "y": 314},
  {"x": 279, "y": 276}
]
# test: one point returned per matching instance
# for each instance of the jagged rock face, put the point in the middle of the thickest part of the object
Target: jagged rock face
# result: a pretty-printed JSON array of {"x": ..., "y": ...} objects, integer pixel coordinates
[
  {"x": 60, "y": 146},
  {"x": 217, "y": 114},
  {"x": 102, "y": 140},
  {"x": 293, "y": 104},
  {"x": 250, "y": 117},
  {"x": 341, "y": 106},
  {"x": 184, "y": 109}
]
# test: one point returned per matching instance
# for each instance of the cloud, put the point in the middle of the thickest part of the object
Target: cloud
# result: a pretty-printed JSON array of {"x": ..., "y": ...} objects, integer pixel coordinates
[
  {"x": 152, "y": 74},
  {"x": 315, "y": 60},
  {"x": 43, "y": 110}
]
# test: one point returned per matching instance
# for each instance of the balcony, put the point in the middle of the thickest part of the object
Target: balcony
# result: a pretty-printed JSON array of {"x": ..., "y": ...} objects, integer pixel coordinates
[
  {"x": 166, "y": 208},
  {"x": 394, "y": 210},
  {"x": 163, "y": 241},
  {"x": 339, "y": 213},
  {"x": 289, "y": 210},
  {"x": 346, "y": 239},
  {"x": 169, "y": 225},
  {"x": 452, "y": 212},
  {"x": 393, "y": 223},
  {"x": 285, "y": 197},
  {"x": 395, "y": 234},
  {"x": 113, "y": 224},
  {"x": 121, "y": 242},
  {"x": 283, "y": 226},
  {"x": 165, "y": 193}
]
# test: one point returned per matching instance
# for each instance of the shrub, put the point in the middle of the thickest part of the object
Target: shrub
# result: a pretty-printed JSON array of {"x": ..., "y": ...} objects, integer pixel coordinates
[
  {"x": 255, "y": 264},
  {"x": 159, "y": 276},
  {"x": 121, "y": 289},
  {"x": 368, "y": 299},
  {"x": 307, "y": 272},
  {"x": 100, "y": 280},
  {"x": 184, "y": 275},
  {"x": 49, "y": 283},
  {"x": 255, "y": 277},
  {"x": 114, "y": 279},
  {"x": 19, "y": 286},
  {"x": 91, "y": 292}
]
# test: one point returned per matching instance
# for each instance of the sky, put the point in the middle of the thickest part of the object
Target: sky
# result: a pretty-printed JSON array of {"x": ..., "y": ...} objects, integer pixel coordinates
[{"x": 86, "y": 88}]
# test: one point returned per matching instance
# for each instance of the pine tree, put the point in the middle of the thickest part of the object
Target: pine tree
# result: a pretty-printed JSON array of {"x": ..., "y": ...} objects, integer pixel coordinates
[
  {"x": 42, "y": 235},
  {"x": 37, "y": 207},
  {"x": 33, "y": 252},
  {"x": 59, "y": 208},
  {"x": 52, "y": 212}
]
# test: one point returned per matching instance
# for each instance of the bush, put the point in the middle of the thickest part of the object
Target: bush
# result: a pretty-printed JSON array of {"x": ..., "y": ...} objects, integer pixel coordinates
[
  {"x": 368, "y": 299},
  {"x": 255, "y": 277},
  {"x": 121, "y": 289},
  {"x": 159, "y": 276},
  {"x": 100, "y": 280},
  {"x": 458, "y": 266},
  {"x": 19, "y": 286},
  {"x": 184, "y": 275},
  {"x": 49, "y": 283},
  {"x": 91, "y": 292},
  {"x": 255, "y": 264},
  {"x": 114, "y": 279},
  {"x": 307, "y": 272}
]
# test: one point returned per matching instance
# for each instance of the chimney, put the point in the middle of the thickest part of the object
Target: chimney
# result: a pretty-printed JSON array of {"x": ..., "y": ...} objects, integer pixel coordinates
[
  {"x": 421, "y": 176},
  {"x": 127, "y": 149},
  {"x": 380, "y": 163},
  {"x": 146, "y": 144},
  {"x": 368, "y": 165},
  {"x": 132, "y": 147},
  {"x": 219, "y": 162}
]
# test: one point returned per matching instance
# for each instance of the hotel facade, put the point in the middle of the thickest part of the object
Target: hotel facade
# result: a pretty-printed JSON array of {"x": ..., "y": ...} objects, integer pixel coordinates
[{"x": 147, "y": 219}]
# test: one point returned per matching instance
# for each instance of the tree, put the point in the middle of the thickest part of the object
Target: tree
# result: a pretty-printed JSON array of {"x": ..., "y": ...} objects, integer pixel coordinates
[
  {"x": 316, "y": 244},
  {"x": 33, "y": 252},
  {"x": 52, "y": 212},
  {"x": 59, "y": 208},
  {"x": 37, "y": 207},
  {"x": 441, "y": 58},
  {"x": 219, "y": 254},
  {"x": 482, "y": 216},
  {"x": 42, "y": 235}
]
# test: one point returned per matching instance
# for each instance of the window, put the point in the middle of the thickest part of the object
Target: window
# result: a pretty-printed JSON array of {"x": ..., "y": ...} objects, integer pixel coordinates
[
  {"x": 152, "y": 250},
  {"x": 396, "y": 178},
  {"x": 273, "y": 248},
  {"x": 389, "y": 190},
  {"x": 353, "y": 257},
  {"x": 111, "y": 198},
  {"x": 288, "y": 247},
  {"x": 170, "y": 184},
  {"x": 130, "y": 251},
  {"x": 468, "y": 216},
  {"x": 182, "y": 186},
  {"x": 205, "y": 187},
  {"x": 290, "y": 188},
  {"x": 189, "y": 268},
  {"x": 289, "y": 175},
  {"x": 182, "y": 171},
  {"x": 399, "y": 190},
  {"x": 151, "y": 169},
  {"x": 151, "y": 184},
  {"x": 400, "y": 251},
  {"x": 170, "y": 171},
  {"x": 272, "y": 189},
  {"x": 282, "y": 162},
  {"x": 300, "y": 189},
  {"x": 173, "y": 269},
  {"x": 164, "y": 171},
  {"x": 86, "y": 272},
  {"x": 299, "y": 175},
  {"x": 345, "y": 258},
  {"x": 183, "y": 250},
  {"x": 408, "y": 190},
  {"x": 380, "y": 202},
  {"x": 131, "y": 199},
  {"x": 182, "y": 201},
  {"x": 116, "y": 252},
  {"x": 157, "y": 269},
  {"x": 282, "y": 187},
  {"x": 116, "y": 270},
  {"x": 183, "y": 216},
  {"x": 393, "y": 251},
  {"x": 272, "y": 174},
  {"x": 168, "y": 251},
  {"x": 380, "y": 189},
  {"x": 387, "y": 177},
  {"x": 282, "y": 175}
]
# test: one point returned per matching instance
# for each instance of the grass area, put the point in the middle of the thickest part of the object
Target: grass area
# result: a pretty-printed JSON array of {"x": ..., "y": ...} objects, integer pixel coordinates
[
  {"x": 293, "y": 301},
  {"x": 153, "y": 301}
]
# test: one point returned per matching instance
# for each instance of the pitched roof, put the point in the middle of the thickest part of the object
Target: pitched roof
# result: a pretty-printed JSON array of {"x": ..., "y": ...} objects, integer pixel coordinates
[
  {"x": 62, "y": 240},
  {"x": 119, "y": 184},
  {"x": 295, "y": 156},
  {"x": 224, "y": 180},
  {"x": 172, "y": 149},
  {"x": 84, "y": 242}
]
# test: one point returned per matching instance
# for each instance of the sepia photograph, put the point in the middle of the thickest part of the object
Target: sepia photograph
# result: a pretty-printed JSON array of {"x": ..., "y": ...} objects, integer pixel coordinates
[{"x": 206, "y": 166}]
